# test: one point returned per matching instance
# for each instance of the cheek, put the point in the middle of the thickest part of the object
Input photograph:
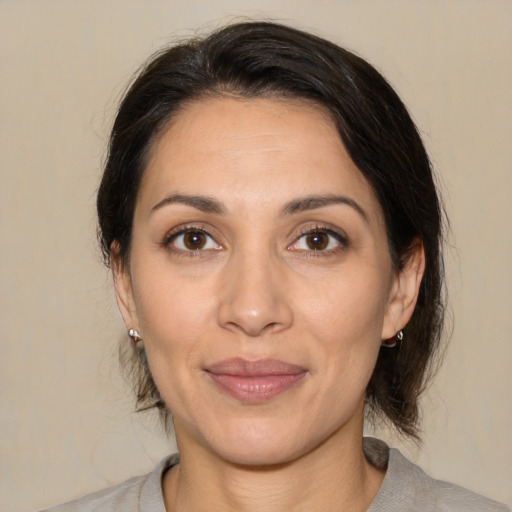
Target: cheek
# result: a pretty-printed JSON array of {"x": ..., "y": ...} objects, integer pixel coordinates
[
  {"x": 345, "y": 321},
  {"x": 174, "y": 312},
  {"x": 175, "y": 319},
  {"x": 349, "y": 307}
]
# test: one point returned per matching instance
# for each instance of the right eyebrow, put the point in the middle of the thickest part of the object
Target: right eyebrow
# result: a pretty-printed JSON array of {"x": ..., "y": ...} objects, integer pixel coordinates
[{"x": 203, "y": 203}]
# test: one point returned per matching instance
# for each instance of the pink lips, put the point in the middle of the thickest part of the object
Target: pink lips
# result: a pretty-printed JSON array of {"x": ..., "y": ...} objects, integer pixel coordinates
[{"x": 254, "y": 381}]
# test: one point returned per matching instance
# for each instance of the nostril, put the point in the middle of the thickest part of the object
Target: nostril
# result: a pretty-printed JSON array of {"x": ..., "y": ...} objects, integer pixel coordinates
[{"x": 255, "y": 322}]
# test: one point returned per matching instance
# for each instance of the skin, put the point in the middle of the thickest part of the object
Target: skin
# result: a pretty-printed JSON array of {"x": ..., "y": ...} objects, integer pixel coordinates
[{"x": 257, "y": 290}]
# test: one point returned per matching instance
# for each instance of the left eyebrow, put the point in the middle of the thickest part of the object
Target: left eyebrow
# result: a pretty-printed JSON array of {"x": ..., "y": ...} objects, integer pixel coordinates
[{"x": 314, "y": 202}]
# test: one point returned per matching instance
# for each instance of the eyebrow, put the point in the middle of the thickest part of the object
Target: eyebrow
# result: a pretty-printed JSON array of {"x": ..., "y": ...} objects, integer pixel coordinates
[
  {"x": 314, "y": 202},
  {"x": 203, "y": 203},
  {"x": 209, "y": 205}
]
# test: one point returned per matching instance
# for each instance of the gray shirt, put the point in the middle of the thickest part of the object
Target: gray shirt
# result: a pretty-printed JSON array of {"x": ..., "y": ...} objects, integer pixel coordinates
[{"x": 406, "y": 488}]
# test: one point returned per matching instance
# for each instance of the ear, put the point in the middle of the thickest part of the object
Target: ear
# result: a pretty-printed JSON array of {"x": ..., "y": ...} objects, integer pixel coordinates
[
  {"x": 404, "y": 291},
  {"x": 123, "y": 288}
]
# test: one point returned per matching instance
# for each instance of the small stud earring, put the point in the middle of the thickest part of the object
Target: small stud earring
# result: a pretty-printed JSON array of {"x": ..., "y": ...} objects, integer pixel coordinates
[
  {"x": 393, "y": 342},
  {"x": 135, "y": 337}
]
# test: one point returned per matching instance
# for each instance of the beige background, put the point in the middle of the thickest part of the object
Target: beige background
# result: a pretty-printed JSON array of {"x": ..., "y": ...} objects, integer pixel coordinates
[{"x": 65, "y": 420}]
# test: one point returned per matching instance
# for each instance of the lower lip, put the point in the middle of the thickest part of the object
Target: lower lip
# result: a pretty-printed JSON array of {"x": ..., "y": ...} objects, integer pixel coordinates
[{"x": 255, "y": 388}]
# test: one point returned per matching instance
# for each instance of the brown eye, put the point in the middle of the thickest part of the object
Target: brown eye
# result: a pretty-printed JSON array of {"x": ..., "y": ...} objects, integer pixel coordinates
[
  {"x": 194, "y": 240},
  {"x": 320, "y": 240},
  {"x": 317, "y": 241}
]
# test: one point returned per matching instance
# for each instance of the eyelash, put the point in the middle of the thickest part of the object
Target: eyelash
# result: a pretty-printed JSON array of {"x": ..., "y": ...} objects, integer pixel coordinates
[
  {"x": 339, "y": 236},
  {"x": 183, "y": 230}
]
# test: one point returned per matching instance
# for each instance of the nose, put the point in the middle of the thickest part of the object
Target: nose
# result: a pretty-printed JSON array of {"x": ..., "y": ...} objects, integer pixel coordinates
[{"x": 253, "y": 297}]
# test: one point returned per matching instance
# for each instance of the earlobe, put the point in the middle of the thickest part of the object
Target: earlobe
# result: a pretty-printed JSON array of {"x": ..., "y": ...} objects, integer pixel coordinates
[
  {"x": 404, "y": 291},
  {"x": 123, "y": 288}
]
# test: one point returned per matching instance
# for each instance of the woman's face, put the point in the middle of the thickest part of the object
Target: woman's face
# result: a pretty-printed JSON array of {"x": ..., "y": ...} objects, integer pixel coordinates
[{"x": 260, "y": 279}]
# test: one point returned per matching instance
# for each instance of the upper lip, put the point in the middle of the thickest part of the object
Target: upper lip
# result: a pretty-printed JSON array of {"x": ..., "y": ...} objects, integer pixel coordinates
[{"x": 246, "y": 368}]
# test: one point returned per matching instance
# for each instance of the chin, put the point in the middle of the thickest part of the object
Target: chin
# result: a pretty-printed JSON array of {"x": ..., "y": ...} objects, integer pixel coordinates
[
  {"x": 258, "y": 455},
  {"x": 260, "y": 444}
]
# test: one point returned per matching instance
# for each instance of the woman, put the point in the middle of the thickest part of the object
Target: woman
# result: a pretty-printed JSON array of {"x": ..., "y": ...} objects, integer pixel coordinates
[{"x": 269, "y": 213}]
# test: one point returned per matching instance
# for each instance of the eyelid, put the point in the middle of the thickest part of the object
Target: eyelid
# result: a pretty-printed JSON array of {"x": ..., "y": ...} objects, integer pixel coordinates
[
  {"x": 337, "y": 233},
  {"x": 182, "y": 230}
]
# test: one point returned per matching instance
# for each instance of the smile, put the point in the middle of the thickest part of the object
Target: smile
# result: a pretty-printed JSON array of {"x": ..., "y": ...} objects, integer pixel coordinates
[{"x": 254, "y": 381}]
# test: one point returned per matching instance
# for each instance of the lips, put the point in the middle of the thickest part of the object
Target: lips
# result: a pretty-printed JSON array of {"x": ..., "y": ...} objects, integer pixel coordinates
[{"x": 254, "y": 381}]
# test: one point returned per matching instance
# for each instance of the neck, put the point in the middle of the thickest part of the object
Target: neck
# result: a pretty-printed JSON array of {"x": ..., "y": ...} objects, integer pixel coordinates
[{"x": 333, "y": 477}]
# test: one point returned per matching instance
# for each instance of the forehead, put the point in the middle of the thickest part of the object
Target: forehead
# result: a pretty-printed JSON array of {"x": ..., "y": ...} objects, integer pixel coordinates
[{"x": 255, "y": 152}]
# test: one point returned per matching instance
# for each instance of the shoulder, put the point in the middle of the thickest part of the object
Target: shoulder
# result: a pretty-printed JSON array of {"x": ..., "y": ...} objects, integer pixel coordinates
[
  {"x": 451, "y": 497},
  {"x": 406, "y": 487},
  {"x": 138, "y": 493},
  {"x": 123, "y": 496}
]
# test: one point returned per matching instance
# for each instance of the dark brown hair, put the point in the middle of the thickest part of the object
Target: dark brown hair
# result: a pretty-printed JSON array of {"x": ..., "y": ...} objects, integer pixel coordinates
[{"x": 262, "y": 59}]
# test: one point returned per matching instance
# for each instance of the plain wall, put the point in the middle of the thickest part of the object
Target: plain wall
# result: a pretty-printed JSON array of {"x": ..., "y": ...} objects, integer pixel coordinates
[{"x": 66, "y": 418}]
